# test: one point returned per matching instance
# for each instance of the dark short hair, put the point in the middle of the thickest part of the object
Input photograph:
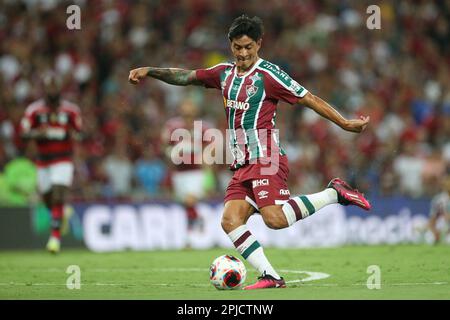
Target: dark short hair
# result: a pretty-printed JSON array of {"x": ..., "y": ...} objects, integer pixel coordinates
[{"x": 246, "y": 26}]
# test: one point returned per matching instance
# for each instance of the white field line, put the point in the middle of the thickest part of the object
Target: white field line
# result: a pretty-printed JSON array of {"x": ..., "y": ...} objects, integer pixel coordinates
[
  {"x": 312, "y": 276},
  {"x": 22, "y": 284}
]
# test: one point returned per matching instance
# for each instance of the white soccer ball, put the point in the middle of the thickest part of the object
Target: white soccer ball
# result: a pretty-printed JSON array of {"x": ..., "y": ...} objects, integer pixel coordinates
[{"x": 227, "y": 273}]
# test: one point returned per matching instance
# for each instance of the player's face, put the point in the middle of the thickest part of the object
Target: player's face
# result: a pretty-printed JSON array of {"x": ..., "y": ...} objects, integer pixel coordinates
[
  {"x": 53, "y": 97},
  {"x": 52, "y": 92},
  {"x": 245, "y": 51}
]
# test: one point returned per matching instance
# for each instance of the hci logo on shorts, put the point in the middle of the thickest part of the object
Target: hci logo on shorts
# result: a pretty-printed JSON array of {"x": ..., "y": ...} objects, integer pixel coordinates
[{"x": 260, "y": 182}]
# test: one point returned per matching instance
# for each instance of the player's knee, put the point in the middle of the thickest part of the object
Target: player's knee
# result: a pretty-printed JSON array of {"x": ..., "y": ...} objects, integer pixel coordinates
[
  {"x": 229, "y": 223},
  {"x": 57, "y": 199},
  {"x": 58, "y": 196},
  {"x": 236, "y": 214}
]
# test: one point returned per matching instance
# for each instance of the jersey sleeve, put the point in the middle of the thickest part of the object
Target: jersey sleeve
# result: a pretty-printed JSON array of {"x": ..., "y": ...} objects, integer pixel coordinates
[
  {"x": 75, "y": 115},
  {"x": 28, "y": 121},
  {"x": 282, "y": 87},
  {"x": 210, "y": 77},
  {"x": 26, "y": 124}
]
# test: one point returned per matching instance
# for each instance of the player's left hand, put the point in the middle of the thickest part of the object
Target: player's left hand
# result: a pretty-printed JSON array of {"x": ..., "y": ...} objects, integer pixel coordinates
[{"x": 356, "y": 125}]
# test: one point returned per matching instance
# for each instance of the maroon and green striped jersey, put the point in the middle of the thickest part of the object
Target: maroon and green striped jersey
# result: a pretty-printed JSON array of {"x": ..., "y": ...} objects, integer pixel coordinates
[{"x": 250, "y": 103}]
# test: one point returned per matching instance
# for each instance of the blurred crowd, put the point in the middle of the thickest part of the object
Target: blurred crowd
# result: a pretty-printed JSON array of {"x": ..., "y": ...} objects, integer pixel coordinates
[{"x": 399, "y": 75}]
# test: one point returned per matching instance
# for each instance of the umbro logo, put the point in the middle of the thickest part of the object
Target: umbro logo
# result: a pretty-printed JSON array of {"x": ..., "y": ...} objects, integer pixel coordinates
[{"x": 263, "y": 194}]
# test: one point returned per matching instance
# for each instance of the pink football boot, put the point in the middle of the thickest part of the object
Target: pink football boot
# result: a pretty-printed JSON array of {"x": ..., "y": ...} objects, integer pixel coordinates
[
  {"x": 265, "y": 282},
  {"x": 347, "y": 195}
]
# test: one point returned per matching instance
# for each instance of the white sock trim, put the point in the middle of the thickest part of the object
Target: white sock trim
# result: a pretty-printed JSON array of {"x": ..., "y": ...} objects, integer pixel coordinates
[
  {"x": 304, "y": 211},
  {"x": 289, "y": 214},
  {"x": 237, "y": 233}
]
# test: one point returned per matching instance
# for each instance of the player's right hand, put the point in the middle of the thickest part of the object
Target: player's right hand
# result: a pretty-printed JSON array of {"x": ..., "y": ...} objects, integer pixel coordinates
[{"x": 137, "y": 74}]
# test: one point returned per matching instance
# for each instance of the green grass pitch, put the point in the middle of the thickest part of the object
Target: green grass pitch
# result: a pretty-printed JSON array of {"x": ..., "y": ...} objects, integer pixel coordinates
[{"x": 407, "y": 272}]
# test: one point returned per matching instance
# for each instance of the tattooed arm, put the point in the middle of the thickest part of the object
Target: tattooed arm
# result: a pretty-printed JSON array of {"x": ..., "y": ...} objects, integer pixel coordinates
[{"x": 175, "y": 76}]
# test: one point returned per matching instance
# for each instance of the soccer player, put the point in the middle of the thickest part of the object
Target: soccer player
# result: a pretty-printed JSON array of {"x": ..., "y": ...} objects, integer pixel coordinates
[
  {"x": 53, "y": 123},
  {"x": 440, "y": 208},
  {"x": 251, "y": 88},
  {"x": 189, "y": 172}
]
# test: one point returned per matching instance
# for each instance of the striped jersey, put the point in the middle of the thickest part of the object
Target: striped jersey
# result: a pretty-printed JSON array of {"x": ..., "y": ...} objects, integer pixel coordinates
[
  {"x": 250, "y": 103},
  {"x": 57, "y": 146}
]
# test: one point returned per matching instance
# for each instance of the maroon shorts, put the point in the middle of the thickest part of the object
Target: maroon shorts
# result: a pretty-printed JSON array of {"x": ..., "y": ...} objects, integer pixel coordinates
[{"x": 260, "y": 184}]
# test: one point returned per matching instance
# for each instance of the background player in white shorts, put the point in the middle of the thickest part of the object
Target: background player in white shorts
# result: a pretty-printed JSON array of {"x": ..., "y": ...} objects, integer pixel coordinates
[
  {"x": 440, "y": 209},
  {"x": 53, "y": 123},
  {"x": 187, "y": 177}
]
